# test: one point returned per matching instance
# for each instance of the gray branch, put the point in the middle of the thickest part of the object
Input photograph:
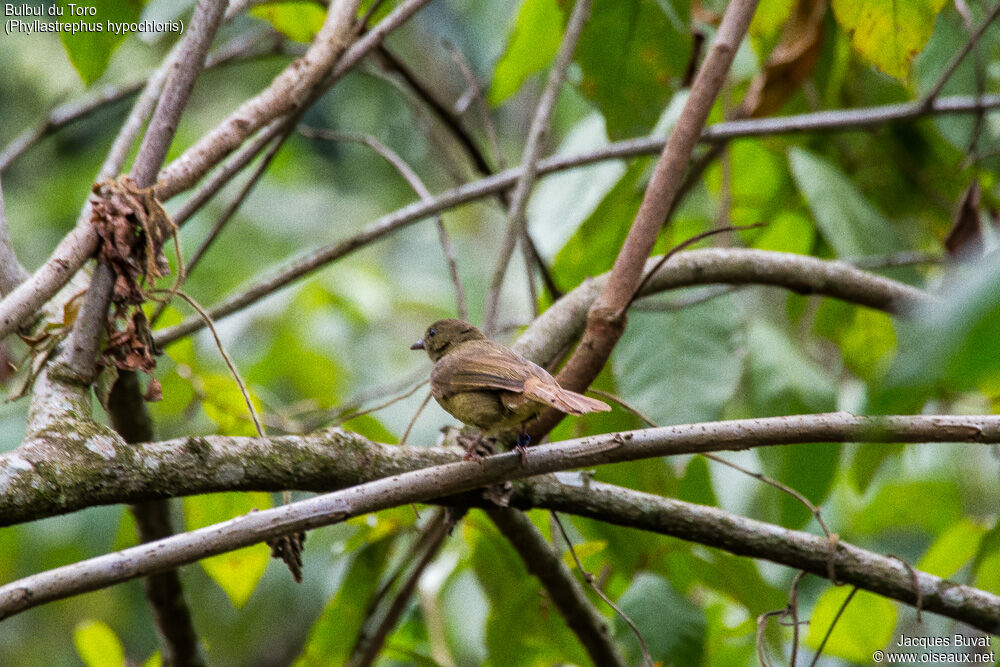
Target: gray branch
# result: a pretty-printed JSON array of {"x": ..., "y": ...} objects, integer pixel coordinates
[
  {"x": 44, "y": 478},
  {"x": 800, "y": 273},
  {"x": 77, "y": 246},
  {"x": 543, "y": 561}
]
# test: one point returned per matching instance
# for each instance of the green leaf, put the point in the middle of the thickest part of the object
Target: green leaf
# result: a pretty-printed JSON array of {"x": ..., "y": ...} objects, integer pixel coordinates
[
  {"x": 98, "y": 645},
  {"x": 594, "y": 246},
  {"x": 809, "y": 469},
  {"x": 866, "y": 625},
  {"x": 761, "y": 189},
  {"x": 561, "y": 202},
  {"x": 951, "y": 344},
  {"x": 224, "y": 404},
  {"x": 532, "y": 45},
  {"x": 889, "y": 33},
  {"x": 781, "y": 379},
  {"x": 236, "y": 572},
  {"x": 925, "y": 505},
  {"x": 371, "y": 428},
  {"x": 298, "y": 21},
  {"x": 333, "y": 635},
  {"x": 952, "y": 549},
  {"x": 680, "y": 367},
  {"x": 522, "y": 628},
  {"x": 868, "y": 343},
  {"x": 648, "y": 601},
  {"x": 90, "y": 50},
  {"x": 770, "y": 16},
  {"x": 632, "y": 52},
  {"x": 696, "y": 485},
  {"x": 869, "y": 458},
  {"x": 987, "y": 562},
  {"x": 787, "y": 232},
  {"x": 848, "y": 222}
]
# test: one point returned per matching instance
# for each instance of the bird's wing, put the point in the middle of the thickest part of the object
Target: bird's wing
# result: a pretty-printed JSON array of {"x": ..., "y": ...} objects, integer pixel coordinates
[
  {"x": 479, "y": 370},
  {"x": 495, "y": 368}
]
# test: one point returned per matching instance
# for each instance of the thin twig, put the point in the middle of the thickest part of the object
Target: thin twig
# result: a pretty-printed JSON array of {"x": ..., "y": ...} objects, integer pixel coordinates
[
  {"x": 410, "y": 176},
  {"x": 918, "y": 605},
  {"x": 368, "y": 646},
  {"x": 12, "y": 272},
  {"x": 77, "y": 246},
  {"x": 813, "y": 509},
  {"x": 354, "y": 403},
  {"x": 541, "y": 559},
  {"x": 833, "y": 624},
  {"x": 451, "y": 121},
  {"x": 957, "y": 59},
  {"x": 229, "y": 362},
  {"x": 589, "y": 578},
  {"x": 222, "y": 220},
  {"x": 760, "y": 639},
  {"x": 221, "y": 176},
  {"x": 413, "y": 420},
  {"x": 516, "y": 221},
  {"x": 793, "y": 611},
  {"x": 686, "y": 301},
  {"x": 382, "y": 406},
  {"x": 477, "y": 95},
  {"x": 687, "y": 243}
]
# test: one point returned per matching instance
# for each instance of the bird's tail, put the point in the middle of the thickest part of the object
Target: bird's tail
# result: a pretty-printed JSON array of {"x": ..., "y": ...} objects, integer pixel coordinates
[{"x": 568, "y": 401}]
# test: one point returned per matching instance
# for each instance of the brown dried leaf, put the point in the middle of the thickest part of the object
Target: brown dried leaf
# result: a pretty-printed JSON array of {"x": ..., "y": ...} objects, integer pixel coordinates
[
  {"x": 791, "y": 61},
  {"x": 965, "y": 239}
]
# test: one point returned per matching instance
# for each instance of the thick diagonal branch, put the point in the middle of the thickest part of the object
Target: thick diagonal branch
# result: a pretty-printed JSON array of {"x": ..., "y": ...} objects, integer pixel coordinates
[{"x": 606, "y": 318}]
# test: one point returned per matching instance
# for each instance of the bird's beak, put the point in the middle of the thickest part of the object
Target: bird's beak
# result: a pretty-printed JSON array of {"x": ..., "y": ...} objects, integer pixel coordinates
[{"x": 419, "y": 345}]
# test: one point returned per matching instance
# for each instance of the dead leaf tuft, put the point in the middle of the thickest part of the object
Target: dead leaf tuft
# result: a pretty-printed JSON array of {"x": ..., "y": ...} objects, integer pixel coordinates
[{"x": 133, "y": 228}]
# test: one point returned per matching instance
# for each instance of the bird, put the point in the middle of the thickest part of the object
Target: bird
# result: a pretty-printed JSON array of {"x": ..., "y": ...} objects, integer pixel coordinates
[{"x": 484, "y": 384}]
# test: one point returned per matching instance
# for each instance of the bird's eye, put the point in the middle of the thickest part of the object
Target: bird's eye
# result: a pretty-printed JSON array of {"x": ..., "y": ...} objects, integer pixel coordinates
[{"x": 432, "y": 332}]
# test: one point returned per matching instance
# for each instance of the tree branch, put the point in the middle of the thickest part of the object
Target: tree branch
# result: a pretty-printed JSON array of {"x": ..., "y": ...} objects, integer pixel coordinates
[
  {"x": 12, "y": 272},
  {"x": 800, "y": 273},
  {"x": 516, "y": 223},
  {"x": 606, "y": 317},
  {"x": 541, "y": 560},
  {"x": 160, "y": 469},
  {"x": 191, "y": 51},
  {"x": 756, "y": 539},
  {"x": 287, "y": 92},
  {"x": 77, "y": 246}
]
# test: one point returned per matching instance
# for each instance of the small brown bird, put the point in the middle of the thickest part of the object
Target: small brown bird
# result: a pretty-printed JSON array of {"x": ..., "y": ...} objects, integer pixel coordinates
[{"x": 484, "y": 384}]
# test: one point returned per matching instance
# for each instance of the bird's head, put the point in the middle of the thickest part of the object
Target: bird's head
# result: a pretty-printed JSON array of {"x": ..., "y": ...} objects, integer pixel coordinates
[{"x": 443, "y": 335}]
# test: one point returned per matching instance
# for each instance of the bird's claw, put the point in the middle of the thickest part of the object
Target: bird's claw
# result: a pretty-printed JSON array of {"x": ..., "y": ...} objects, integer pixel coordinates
[{"x": 523, "y": 440}]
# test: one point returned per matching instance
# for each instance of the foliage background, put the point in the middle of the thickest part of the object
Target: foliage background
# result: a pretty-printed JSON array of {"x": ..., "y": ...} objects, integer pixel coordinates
[{"x": 345, "y": 330}]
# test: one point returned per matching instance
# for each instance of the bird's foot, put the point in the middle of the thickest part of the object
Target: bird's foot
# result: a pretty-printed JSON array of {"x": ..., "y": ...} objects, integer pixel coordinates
[
  {"x": 476, "y": 446},
  {"x": 523, "y": 440}
]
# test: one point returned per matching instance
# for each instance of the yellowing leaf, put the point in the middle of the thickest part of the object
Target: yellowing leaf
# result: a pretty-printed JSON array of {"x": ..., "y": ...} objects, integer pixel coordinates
[
  {"x": 299, "y": 21},
  {"x": 952, "y": 549},
  {"x": 98, "y": 645},
  {"x": 583, "y": 550},
  {"x": 889, "y": 33},
  {"x": 868, "y": 343},
  {"x": 866, "y": 625},
  {"x": 236, "y": 572},
  {"x": 224, "y": 404}
]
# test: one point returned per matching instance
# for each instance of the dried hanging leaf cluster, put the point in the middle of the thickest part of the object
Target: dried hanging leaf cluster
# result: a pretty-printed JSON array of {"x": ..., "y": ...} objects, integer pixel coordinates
[{"x": 132, "y": 227}]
